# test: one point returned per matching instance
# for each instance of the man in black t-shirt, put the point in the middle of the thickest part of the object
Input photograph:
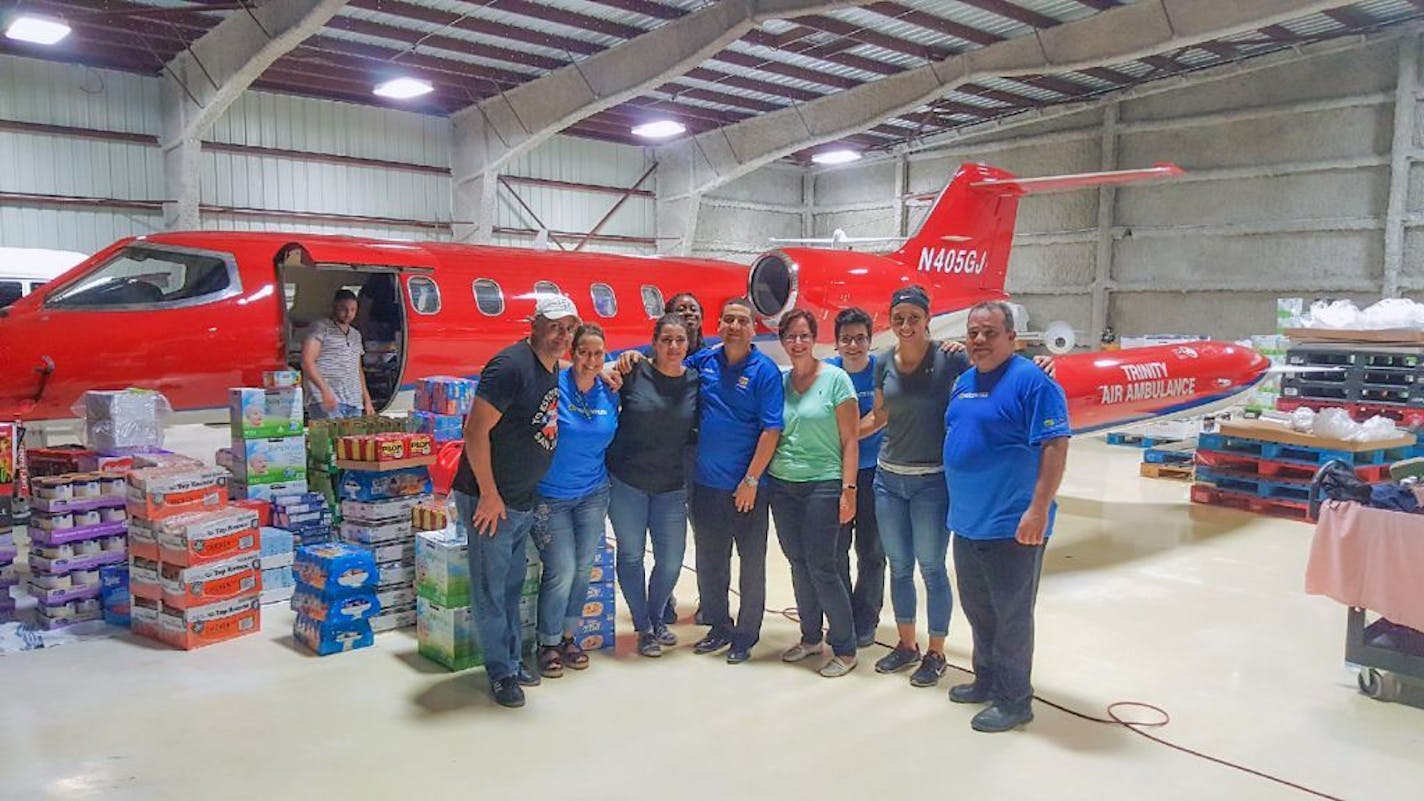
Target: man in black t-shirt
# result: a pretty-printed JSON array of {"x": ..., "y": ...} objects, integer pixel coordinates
[{"x": 509, "y": 442}]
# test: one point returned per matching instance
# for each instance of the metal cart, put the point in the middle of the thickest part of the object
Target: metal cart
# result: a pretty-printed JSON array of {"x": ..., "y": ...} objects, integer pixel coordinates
[{"x": 1383, "y": 673}]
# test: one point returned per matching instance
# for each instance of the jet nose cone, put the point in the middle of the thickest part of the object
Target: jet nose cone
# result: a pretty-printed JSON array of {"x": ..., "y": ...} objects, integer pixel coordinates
[{"x": 1232, "y": 365}]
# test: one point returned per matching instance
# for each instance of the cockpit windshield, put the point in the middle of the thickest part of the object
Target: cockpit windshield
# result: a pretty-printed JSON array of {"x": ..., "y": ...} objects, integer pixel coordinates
[{"x": 149, "y": 276}]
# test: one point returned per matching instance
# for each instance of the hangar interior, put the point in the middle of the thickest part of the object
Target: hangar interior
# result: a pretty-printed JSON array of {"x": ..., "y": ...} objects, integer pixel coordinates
[{"x": 1298, "y": 127}]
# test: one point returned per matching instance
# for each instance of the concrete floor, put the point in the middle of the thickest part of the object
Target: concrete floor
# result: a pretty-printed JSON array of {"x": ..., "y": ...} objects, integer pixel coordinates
[{"x": 1145, "y": 597}]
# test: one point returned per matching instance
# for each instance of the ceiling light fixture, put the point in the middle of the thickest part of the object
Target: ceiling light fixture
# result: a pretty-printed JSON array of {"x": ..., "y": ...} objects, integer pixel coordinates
[
  {"x": 659, "y": 129},
  {"x": 403, "y": 88},
  {"x": 836, "y": 157},
  {"x": 39, "y": 30}
]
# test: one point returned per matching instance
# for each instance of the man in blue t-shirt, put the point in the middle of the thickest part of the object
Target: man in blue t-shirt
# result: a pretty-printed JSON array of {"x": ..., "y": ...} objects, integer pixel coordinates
[
  {"x": 867, "y": 593},
  {"x": 1005, "y": 447},
  {"x": 741, "y": 396}
]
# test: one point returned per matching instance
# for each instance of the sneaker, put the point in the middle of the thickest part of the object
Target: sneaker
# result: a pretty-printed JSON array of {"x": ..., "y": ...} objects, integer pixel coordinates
[
  {"x": 712, "y": 643},
  {"x": 648, "y": 644},
  {"x": 527, "y": 677},
  {"x": 837, "y": 667},
  {"x": 999, "y": 718},
  {"x": 929, "y": 671},
  {"x": 664, "y": 635},
  {"x": 507, "y": 692},
  {"x": 801, "y": 651},
  {"x": 971, "y": 693},
  {"x": 670, "y": 612},
  {"x": 737, "y": 655},
  {"x": 898, "y": 659}
]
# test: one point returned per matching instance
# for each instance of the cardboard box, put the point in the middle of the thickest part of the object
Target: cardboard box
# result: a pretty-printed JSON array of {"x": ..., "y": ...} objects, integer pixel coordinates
[
  {"x": 143, "y": 617},
  {"x": 391, "y": 619},
  {"x": 442, "y": 567},
  {"x": 145, "y": 579},
  {"x": 381, "y": 511},
  {"x": 601, "y": 599},
  {"x": 446, "y": 635},
  {"x": 143, "y": 538},
  {"x": 267, "y": 492},
  {"x": 444, "y": 394},
  {"x": 91, "y": 462},
  {"x": 114, "y": 594},
  {"x": 198, "y": 626},
  {"x": 368, "y": 485},
  {"x": 397, "y": 572},
  {"x": 187, "y": 587},
  {"x": 430, "y": 516},
  {"x": 276, "y": 595},
  {"x": 377, "y": 533},
  {"x": 395, "y": 552},
  {"x": 201, "y": 537},
  {"x": 275, "y": 460},
  {"x": 336, "y": 569},
  {"x": 346, "y": 609},
  {"x": 325, "y": 639},
  {"x": 395, "y": 597},
  {"x": 594, "y": 633},
  {"x": 159, "y": 492},
  {"x": 281, "y": 379},
  {"x": 263, "y": 510},
  {"x": 276, "y": 541},
  {"x": 441, "y": 427},
  {"x": 260, "y": 413}
]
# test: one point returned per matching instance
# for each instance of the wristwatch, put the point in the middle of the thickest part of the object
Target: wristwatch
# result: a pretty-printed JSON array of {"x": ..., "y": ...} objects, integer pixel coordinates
[
  {"x": 845, "y": 487},
  {"x": 750, "y": 480}
]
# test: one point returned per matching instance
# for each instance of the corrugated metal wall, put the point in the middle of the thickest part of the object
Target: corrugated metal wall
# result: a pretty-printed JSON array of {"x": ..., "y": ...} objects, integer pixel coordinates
[
  {"x": 400, "y": 188},
  {"x": 45, "y": 93},
  {"x": 584, "y": 161}
]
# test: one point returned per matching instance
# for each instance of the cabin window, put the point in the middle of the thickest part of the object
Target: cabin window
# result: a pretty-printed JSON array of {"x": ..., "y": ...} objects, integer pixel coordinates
[
  {"x": 146, "y": 276},
  {"x": 546, "y": 289},
  {"x": 10, "y": 291},
  {"x": 424, "y": 295},
  {"x": 489, "y": 298},
  {"x": 604, "y": 301},
  {"x": 652, "y": 301}
]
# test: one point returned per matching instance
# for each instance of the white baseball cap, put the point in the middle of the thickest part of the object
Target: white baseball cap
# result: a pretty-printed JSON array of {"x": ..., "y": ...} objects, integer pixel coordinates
[{"x": 554, "y": 307}]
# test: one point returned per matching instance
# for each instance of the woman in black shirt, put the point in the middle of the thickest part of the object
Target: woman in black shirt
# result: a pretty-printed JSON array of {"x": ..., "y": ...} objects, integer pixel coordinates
[{"x": 648, "y": 496}]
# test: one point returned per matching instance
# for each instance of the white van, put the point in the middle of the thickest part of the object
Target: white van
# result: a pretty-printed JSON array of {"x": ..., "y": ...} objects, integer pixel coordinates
[{"x": 23, "y": 270}]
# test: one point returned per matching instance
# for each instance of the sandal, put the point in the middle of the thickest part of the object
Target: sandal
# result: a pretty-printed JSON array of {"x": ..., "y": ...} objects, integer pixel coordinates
[
  {"x": 573, "y": 655},
  {"x": 551, "y": 662}
]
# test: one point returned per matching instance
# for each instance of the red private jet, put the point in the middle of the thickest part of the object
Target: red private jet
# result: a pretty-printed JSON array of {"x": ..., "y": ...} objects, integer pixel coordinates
[{"x": 191, "y": 314}]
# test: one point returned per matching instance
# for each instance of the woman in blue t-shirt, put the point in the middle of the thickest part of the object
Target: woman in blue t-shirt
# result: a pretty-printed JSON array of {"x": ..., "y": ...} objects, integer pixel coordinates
[
  {"x": 657, "y": 426},
  {"x": 572, "y": 502}
]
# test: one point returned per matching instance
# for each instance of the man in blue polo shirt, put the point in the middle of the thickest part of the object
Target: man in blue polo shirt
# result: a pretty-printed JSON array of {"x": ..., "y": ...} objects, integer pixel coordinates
[
  {"x": 1005, "y": 447},
  {"x": 741, "y": 400}
]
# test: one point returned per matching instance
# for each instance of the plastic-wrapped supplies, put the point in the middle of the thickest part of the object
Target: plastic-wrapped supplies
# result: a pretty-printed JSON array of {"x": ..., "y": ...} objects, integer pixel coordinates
[{"x": 123, "y": 421}]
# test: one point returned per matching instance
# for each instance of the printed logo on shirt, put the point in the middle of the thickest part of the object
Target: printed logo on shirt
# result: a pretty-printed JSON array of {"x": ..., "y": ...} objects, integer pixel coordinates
[
  {"x": 975, "y": 395},
  {"x": 744, "y": 382},
  {"x": 1050, "y": 422},
  {"x": 546, "y": 420}
]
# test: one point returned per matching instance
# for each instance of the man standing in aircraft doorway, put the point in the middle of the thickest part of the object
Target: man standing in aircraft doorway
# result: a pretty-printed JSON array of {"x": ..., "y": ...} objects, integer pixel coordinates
[
  {"x": 331, "y": 362},
  {"x": 509, "y": 443}
]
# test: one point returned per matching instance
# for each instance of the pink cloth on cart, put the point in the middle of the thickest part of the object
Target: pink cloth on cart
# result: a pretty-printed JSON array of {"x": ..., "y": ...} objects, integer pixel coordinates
[{"x": 1369, "y": 558}]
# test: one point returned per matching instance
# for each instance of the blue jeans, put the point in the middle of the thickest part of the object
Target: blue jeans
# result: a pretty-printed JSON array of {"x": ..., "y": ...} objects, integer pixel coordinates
[
  {"x": 497, "y": 567},
  {"x": 638, "y": 516},
  {"x": 807, "y": 523},
  {"x": 911, "y": 512},
  {"x": 567, "y": 533},
  {"x": 315, "y": 412}
]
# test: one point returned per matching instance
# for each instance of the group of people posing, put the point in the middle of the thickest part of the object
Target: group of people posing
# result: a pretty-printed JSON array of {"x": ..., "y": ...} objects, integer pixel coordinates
[{"x": 862, "y": 451}]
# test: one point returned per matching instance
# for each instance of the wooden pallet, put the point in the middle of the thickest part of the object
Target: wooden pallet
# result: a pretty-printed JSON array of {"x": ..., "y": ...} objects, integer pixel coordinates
[
  {"x": 1211, "y": 496},
  {"x": 1162, "y": 470}
]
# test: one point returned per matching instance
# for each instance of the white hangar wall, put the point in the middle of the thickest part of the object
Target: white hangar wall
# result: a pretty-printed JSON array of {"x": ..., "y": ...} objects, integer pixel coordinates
[{"x": 80, "y": 167}]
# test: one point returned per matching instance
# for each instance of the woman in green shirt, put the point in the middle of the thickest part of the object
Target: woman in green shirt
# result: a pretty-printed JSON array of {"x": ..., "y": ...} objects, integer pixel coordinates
[{"x": 813, "y": 491}]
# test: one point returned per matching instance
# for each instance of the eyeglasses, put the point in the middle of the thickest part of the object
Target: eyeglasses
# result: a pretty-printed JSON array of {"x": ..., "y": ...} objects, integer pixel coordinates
[
  {"x": 855, "y": 340},
  {"x": 797, "y": 337}
]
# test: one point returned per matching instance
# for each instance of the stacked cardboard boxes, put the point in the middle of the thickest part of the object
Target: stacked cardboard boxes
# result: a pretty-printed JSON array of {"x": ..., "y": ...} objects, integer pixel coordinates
[
  {"x": 278, "y": 554},
  {"x": 441, "y": 404},
  {"x": 323, "y": 475},
  {"x": 195, "y": 572},
  {"x": 595, "y": 630},
  {"x": 78, "y": 524},
  {"x": 335, "y": 599},
  {"x": 445, "y": 627},
  {"x": 387, "y": 478},
  {"x": 305, "y": 515},
  {"x": 268, "y": 456}
]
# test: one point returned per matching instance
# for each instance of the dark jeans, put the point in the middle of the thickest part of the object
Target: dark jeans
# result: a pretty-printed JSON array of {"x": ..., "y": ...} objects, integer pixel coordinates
[
  {"x": 807, "y": 523},
  {"x": 567, "y": 533},
  {"x": 867, "y": 592},
  {"x": 497, "y": 567},
  {"x": 717, "y": 526},
  {"x": 998, "y": 584}
]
